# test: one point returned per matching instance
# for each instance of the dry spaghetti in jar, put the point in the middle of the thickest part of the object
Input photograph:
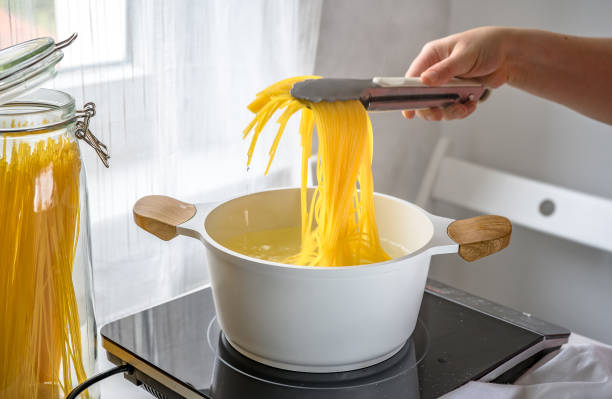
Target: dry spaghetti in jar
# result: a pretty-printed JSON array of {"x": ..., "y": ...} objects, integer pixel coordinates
[{"x": 48, "y": 330}]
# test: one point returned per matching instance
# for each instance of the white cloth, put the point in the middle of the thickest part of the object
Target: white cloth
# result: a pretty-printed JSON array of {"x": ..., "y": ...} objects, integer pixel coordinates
[{"x": 577, "y": 370}]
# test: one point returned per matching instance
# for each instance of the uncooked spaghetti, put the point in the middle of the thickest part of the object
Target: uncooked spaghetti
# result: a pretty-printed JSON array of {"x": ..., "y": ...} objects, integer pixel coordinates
[
  {"x": 338, "y": 225},
  {"x": 40, "y": 343}
]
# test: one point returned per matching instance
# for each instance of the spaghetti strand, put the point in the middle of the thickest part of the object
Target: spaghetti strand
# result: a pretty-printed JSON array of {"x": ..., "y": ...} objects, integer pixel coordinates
[
  {"x": 40, "y": 341},
  {"x": 339, "y": 225}
]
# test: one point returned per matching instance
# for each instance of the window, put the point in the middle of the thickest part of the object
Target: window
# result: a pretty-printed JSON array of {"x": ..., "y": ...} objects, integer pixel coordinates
[
  {"x": 23, "y": 20},
  {"x": 102, "y": 30},
  {"x": 171, "y": 81},
  {"x": 101, "y": 27}
]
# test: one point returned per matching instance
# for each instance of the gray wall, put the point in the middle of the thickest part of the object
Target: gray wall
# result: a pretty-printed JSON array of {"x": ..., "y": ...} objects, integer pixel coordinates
[
  {"x": 553, "y": 279},
  {"x": 360, "y": 38}
]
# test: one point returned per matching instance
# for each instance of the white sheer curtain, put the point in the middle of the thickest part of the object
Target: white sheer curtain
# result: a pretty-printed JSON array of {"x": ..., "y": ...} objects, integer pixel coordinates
[{"x": 171, "y": 80}]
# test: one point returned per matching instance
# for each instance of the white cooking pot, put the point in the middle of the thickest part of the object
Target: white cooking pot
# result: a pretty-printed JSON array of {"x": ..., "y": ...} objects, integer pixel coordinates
[{"x": 318, "y": 319}]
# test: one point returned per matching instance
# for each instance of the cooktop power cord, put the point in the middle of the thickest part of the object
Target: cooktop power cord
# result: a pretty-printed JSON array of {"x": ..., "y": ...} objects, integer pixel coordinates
[{"x": 124, "y": 368}]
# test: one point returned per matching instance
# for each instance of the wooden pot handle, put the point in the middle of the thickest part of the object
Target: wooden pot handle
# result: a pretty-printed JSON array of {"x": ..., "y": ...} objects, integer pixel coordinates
[
  {"x": 159, "y": 215},
  {"x": 480, "y": 236}
]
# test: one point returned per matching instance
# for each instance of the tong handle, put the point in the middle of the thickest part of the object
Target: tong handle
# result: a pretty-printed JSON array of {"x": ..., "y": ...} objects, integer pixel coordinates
[
  {"x": 416, "y": 82},
  {"x": 395, "y": 93}
]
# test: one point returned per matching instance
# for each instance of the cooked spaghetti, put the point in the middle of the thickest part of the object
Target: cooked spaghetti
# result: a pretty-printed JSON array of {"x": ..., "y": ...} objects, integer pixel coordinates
[
  {"x": 338, "y": 225},
  {"x": 40, "y": 340}
]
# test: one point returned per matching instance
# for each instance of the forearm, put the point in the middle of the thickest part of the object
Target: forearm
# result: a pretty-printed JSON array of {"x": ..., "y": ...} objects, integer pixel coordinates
[{"x": 573, "y": 71}]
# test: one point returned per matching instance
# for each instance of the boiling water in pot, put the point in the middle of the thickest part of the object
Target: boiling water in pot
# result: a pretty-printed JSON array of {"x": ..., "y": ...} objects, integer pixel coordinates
[{"x": 277, "y": 245}]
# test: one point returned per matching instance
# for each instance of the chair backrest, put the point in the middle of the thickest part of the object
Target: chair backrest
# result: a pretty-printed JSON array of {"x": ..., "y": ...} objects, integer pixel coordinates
[{"x": 551, "y": 209}]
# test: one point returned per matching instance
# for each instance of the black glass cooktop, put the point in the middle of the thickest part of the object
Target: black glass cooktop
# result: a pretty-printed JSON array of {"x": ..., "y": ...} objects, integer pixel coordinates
[{"x": 179, "y": 351}]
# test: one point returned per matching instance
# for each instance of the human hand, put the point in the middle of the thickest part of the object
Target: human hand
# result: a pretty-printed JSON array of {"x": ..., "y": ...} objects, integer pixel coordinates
[{"x": 480, "y": 54}]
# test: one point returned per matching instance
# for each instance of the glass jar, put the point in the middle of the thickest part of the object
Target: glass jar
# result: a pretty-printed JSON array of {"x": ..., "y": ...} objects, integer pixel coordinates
[{"x": 48, "y": 329}]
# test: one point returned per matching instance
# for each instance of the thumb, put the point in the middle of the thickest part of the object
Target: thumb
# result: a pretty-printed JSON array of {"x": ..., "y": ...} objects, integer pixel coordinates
[{"x": 448, "y": 68}]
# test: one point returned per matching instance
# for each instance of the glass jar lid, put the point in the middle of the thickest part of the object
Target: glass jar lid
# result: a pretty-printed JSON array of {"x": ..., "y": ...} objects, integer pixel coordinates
[{"x": 25, "y": 66}]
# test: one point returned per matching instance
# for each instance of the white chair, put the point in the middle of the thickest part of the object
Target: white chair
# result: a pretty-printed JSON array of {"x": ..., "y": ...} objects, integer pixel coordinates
[{"x": 558, "y": 211}]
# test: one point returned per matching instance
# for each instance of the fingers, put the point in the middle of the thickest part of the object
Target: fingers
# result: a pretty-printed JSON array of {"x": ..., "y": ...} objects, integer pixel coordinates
[
  {"x": 459, "y": 111},
  {"x": 429, "y": 55},
  {"x": 437, "y": 63},
  {"x": 408, "y": 114},
  {"x": 457, "y": 64},
  {"x": 430, "y": 114},
  {"x": 455, "y": 111},
  {"x": 441, "y": 60}
]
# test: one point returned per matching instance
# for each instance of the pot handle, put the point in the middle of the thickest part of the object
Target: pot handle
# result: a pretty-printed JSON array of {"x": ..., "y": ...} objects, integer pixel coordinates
[
  {"x": 161, "y": 215},
  {"x": 480, "y": 236}
]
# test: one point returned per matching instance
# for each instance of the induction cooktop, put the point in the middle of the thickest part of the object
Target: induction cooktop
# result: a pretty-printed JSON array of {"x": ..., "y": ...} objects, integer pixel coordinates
[{"x": 178, "y": 351}]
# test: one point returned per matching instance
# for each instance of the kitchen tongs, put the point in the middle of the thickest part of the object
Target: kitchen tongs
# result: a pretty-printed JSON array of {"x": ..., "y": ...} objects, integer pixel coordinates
[{"x": 387, "y": 94}]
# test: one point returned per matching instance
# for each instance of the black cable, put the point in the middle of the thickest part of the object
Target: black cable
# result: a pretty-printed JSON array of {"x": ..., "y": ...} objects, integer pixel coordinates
[{"x": 124, "y": 368}]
